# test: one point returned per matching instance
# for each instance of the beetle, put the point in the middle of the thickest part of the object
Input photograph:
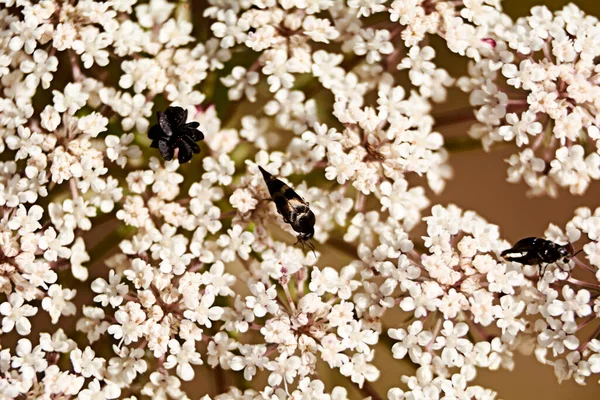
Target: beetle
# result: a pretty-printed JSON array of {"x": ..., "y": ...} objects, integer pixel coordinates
[
  {"x": 533, "y": 250},
  {"x": 293, "y": 208}
]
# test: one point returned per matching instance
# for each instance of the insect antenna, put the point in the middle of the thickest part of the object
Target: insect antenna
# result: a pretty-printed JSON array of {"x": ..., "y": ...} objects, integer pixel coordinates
[
  {"x": 306, "y": 243},
  {"x": 577, "y": 252}
]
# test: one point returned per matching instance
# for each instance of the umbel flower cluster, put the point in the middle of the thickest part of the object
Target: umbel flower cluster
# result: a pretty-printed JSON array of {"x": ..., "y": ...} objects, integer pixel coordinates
[{"x": 137, "y": 261}]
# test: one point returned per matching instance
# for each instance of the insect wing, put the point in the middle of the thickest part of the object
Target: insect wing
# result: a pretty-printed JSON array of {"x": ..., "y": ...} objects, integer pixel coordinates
[
  {"x": 522, "y": 247},
  {"x": 278, "y": 191}
]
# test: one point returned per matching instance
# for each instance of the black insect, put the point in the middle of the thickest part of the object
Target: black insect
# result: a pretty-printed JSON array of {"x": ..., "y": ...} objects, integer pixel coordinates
[
  {"x": 540, "y": 252},
  {"x": 292, "y": 208},
  {"x": 172, "y": 132}
]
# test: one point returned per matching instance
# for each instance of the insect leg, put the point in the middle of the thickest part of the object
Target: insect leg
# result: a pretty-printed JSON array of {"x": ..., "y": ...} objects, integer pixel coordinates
[{"x": 312, "y": 248}]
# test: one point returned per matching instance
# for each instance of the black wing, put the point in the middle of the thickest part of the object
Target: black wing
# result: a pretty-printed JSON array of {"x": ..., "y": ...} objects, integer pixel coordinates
[
  {"x": 523, "y": 246},
  {"x": 285, "y": 198}
]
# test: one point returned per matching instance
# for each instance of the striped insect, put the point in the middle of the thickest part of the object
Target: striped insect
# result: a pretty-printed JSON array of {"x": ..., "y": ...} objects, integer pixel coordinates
[{"x": 292, "y": 207}]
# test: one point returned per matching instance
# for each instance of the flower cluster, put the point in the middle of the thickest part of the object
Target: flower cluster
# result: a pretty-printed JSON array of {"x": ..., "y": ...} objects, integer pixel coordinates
[
  {"x": 538, "y": 88},
  {"x": 122, "y": 272}
]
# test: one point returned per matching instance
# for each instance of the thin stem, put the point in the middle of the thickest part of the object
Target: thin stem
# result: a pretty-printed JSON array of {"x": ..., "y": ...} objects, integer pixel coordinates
[
  {"x": 360, "y": 202},
  {"x": 436, "y": 331},
  {"x": 73, "y": 187},
  {"x": 220, "y": 379},
  {"x": 538, "y": 141},
  {"x": 271, "y": 350},
  {"x": 592, "y": 336},
  {"x": 583, "y": 284},
  {"x": 587, "y": 321},
  {"x": 78, "y": 76},
  {"x": 583, "y": 265},
  {"x": 288, "y": 296},
  {"x": 301, "y": 276},
  {"x": 228, "y": 214}
]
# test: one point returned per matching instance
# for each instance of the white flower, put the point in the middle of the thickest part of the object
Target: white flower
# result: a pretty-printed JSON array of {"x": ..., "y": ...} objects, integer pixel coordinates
[
  {"x": 557, "y": 337},
  {"x": 109, "y": 292},
  {"x": 55, "y": 246},
  {"x": 86, "y": 363},
  {"x": 367, "y": 7},
  {"x": 218, "y": 171},
  {"x": 94, "y": 391},
  {"x": 373, "y": 43},
  {"x": 507, "y": 313},
  {"x": 354, "y": 337},
  {"x": 359, "y": 369},
  {"x": 573, "y": 304},
  {"x": 140, "y": 273},
  {"x": 26, "y": 221},
  {"x": 39, "y": 273},
  {"x": 64, "y": 36},
  {"x": 128, "y": 365},
  {"x": 183, "y": 356},
  {"x": 205, "y": 311},
  {"x": 129, "y": 326},
  {"x": 154, "y": 13},
  {"x": 412, "y": 341},
  {"x": 283, "y": 368},
  {"x": 15, "y": 313},
  {"x": 57, "y": 302},
  {"x": 422, "y": 298},
  {"x": 120, "y": 149},
  {"x": 403, "y": 203},
  {"x": 571, "y": 169},
  {"x": 50, "y": 118},
  {"x": 340, "y": 314},
  {"x": 251, "y": 359},
  {"x": 91, "y": 46},
  {"x": 236, "y": 241},
  {"x": 175, "y": 33},
  {"x": 134, "y": 213},
  {"x": 71, "y": 100},
  {"x": 343, "y": 167},
  {"x": 263, "y": 299},
  {"x": 135, "y": 111},
  {"x": 277, "y": 67},
  {"x": 243, "y": 200},
  {"x": 319, "y": 30},
  {"x": 452, "y": 344},
  {"x": 232, "y": 30},
  {"x": 29, "y": 361},
  {"x": 39, "y": 69},
  {"x": 93, "y": 124},
  {"x": 241, "y": 82},
  {"x": 58, "y": 342},
  {"x": 520, "y": 128}
]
